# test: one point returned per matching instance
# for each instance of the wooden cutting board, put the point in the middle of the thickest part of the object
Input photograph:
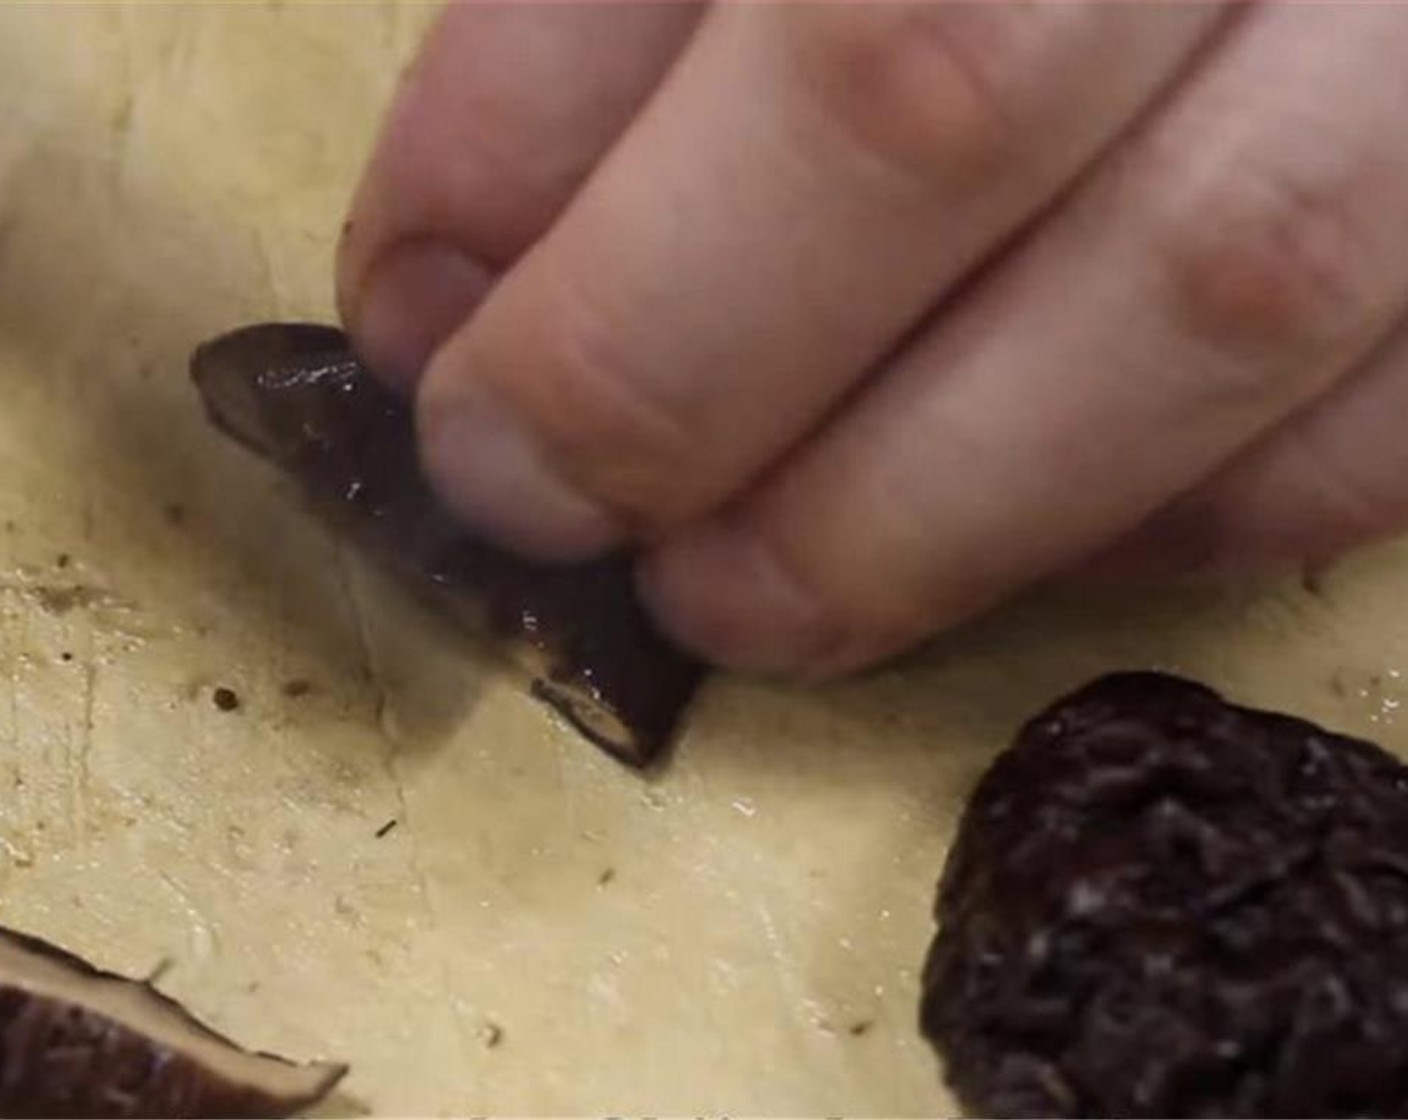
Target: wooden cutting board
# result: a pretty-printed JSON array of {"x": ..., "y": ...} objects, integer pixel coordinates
[{"x": 540, "y": 931}]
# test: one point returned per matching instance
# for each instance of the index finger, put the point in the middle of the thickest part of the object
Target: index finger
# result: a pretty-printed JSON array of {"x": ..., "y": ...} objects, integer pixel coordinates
[{"x": 502, "y": 115}]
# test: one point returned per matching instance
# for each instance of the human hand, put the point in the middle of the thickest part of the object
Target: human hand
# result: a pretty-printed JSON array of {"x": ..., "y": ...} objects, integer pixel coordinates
[{"x": 863, "y": 316}]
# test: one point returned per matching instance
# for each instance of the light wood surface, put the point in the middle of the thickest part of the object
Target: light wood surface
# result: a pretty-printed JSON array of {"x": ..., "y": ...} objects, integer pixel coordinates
[{"x": 542, "y": 931}]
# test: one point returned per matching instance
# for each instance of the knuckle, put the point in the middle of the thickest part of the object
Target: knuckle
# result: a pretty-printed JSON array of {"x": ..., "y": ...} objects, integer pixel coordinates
[
  {"x": 1267, "y": 265},
  {"x": 928, "y": 91},
  {"x": 601, "y": 419}
]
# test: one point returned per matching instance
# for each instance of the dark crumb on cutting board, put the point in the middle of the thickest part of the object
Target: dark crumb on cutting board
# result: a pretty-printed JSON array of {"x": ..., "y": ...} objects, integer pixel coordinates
[
  {"x": 860, "y": 1027},
  {"x": 61, "y": 600},
  {"x": 226, "y": 699},
  {"x": 299, "y": 687},
  {"x": 386, "y": 828},
  {"x": 606, "y": 876},
  {"x": 1161, "y": 904},
  {"x": 65, "y": 656},
  {"x": 63, "y": 560},
  {"x": 492, "y": 1034}
]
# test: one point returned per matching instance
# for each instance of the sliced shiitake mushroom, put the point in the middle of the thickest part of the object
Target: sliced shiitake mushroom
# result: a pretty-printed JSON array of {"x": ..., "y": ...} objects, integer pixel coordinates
[
  {"x": 295, "y": 394},
  {"x": 78, "y": 1041}
]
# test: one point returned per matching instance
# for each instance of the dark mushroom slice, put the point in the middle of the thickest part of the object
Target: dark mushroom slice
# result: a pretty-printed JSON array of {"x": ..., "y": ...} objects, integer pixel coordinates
[
  {"x": 1162, "y": 904},
  {"x": 295, "y": 394},
  {"x": 77, "y": 1041}
]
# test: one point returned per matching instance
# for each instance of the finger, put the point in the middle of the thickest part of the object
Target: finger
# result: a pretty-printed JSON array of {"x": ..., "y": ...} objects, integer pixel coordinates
[
  {"x": 1331, "y": 479},
  {"x": 807, "y": 180},
  {"x": 1248, "y": 249},
  {"x": 500, "y": 118}
]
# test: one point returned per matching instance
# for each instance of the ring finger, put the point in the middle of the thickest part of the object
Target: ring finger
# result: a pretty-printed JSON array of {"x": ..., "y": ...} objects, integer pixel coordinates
[{"x": 1247, "y": 250}]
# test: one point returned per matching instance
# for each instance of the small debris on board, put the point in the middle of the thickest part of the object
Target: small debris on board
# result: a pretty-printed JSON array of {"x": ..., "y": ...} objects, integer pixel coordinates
[
  {"x": 60, "y": 600},
  {"x": 386, "y": 828},
  {"x": 226, "y": 699}
]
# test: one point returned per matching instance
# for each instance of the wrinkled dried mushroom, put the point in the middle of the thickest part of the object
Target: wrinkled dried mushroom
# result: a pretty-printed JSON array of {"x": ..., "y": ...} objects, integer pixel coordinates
[
  {"x": 77, "y": 1041},
  {"x": 1161, "y": 904},
  {"x": 296, "y": 395}
]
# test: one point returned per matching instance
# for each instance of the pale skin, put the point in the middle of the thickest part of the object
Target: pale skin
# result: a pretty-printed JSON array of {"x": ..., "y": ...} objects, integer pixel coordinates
[{"x": 857, "y": 319}]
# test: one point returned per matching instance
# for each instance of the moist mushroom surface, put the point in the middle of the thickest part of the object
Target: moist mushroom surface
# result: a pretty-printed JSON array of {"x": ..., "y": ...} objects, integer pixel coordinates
[{"x": 295, "y": 394}]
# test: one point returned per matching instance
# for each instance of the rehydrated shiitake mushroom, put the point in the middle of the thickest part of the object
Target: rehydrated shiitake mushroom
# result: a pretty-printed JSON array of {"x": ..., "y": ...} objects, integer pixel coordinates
[
  {"x": 296, "y": 394},
  {"x": 76, "y": 1041},
  {"x": 1162, "y": 904}
]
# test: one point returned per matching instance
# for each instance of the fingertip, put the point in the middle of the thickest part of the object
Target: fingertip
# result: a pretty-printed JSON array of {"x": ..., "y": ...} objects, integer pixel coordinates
[
  {"x": 718, "y": 590},
  {"x": 496, "y": 123},
  {"x": 409, "y": 300},
  {"x": 492, "y": 473}
]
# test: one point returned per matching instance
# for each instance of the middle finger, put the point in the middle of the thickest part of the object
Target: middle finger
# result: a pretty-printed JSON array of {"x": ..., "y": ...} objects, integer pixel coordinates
[
  {"x": 1244, "y": 253},
  {"x": 809, "y": 179}
]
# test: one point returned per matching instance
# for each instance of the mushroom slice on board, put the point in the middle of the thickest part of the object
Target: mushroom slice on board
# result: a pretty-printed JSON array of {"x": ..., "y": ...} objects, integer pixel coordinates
[
  {"x": 78, "y": 1041},
  {"x": 295, "y": 394}
]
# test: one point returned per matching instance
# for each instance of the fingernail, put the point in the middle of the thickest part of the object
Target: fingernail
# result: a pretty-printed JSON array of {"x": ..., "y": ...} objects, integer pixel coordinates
[
  {"x": 415, "y": 295},
  {"x": 493, "y": 475},
  {"x": 721, "y": 592}
]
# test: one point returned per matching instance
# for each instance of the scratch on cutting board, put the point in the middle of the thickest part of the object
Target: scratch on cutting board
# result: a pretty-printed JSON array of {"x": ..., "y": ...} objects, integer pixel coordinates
[
  {"x": 803, "y": 1009},
  {"x": 121, "y": 127},
  {"x": 80, "y": 787},
  {"x": 58, "y": 602},
  {"x": 364, "y": 648},
  {"x": 388, "y": 27},
  {"x": 120, "y": 122},
  {"x": 266, "y": 268},
  {"x": 205, "y": 945},
  {"x": 390, "y": 741},
  {"x": 391, "y": 760},
  {"x": 179, "y": 52},
  {"x": 14, "y": 743}
]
